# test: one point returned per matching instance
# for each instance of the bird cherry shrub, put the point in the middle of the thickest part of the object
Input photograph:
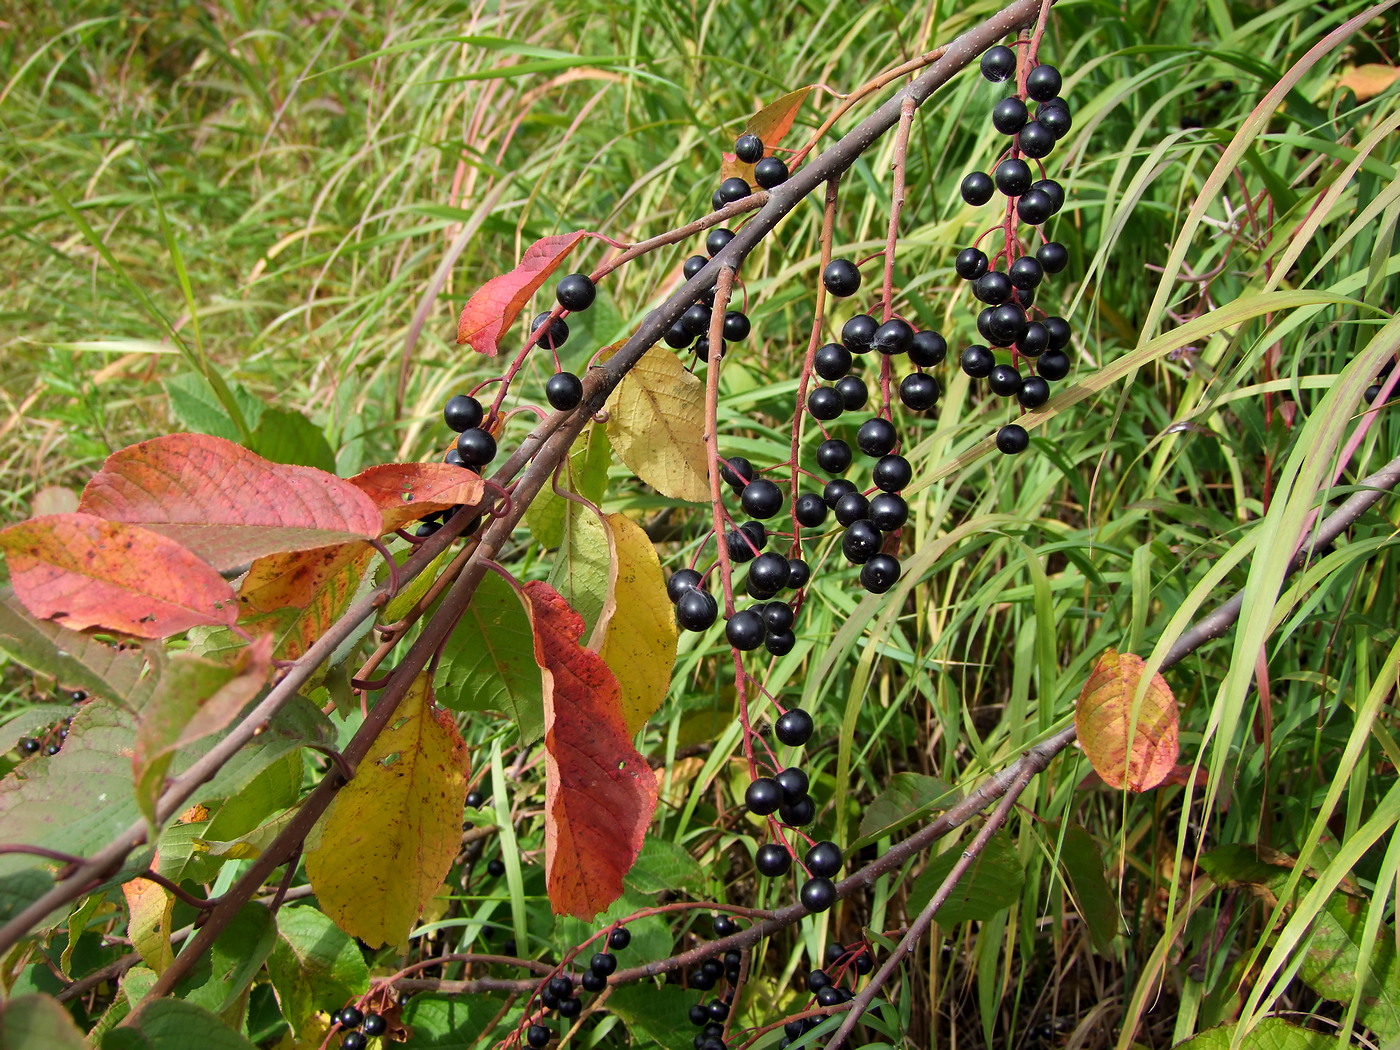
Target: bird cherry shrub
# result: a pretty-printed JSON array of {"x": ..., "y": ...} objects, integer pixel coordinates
[{"x": 271, "y": 666}]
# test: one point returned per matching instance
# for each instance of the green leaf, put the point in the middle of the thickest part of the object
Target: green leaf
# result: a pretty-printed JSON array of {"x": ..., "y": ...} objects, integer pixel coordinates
[
  {"x": 583, "y": 564},
  {"x": 906, "y": 798},
  {"x": 489, "y": 660},
  {"x": 75, "y": 660},
  {"x": 197, "y": 409},
  {"x": 38, "y": 1022},
  {"x": 314, "y": 965},
  {"x": 1271, "y": 1033},
  {"x": 455, "y": 1023},
  {"x": 1088, "y": 881},
  {"x": 992, "y": 883},
  {"x": 586, "y": 475},
  {"x": 651, "y": 1010},
  {"x": 661, "y": 866},
  {"x": 289, "y": 437},
  {"x": 176, "y": 1024},
  {"x": 220, "y": 980}
]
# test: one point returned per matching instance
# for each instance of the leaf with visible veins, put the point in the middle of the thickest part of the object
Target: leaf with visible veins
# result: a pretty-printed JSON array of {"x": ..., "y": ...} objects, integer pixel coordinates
[
  {"x": 493, "y": 308},
  {"x": 1130, "y": 744}
]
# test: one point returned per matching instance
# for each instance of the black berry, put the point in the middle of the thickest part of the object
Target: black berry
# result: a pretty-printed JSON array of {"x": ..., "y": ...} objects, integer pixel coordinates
[
  {"x": 998, "y": 63},
  {"x": 737, "y": 472},
  {"x": 1052, "y": 256},
  {"x": 619, "y": 939},
  {"x": 696, "y": 320},
  {"x": 794, "y": 784},
  {"x": 769, "y": 572},
  {"x": 824, "y": 859},
  {"x": 876, "y": 437},
  {"x": 694, "y": 265},
  {"x": 1025, "y": 273},
  {"x": 681, "y": 581},
  {"x": 731, "y": 190},
  {"x": 555, "y": 336},
  {"x": 495, "y": 867},
  {"x": 928, "y": 349},
  {"x": 593, "y": 982},
  {"x": 977, "y": 361},
  {"x": 1043, "y": 83},
  {"x": 835, "y": 489},
  {"x": 880, "y": 573},
  {"x": 1013, "y": 177},
  {"x": 1033, "y": 340},
  {"x": 1012, "y": 439},
  {"x": 374, "y": 1025},
  {"x": 798, "y": 573},
  {"x": 718, "y": 1009},
  {"x": 570, "y": 1007},
  {"x": 1057, "y": 330},
  {"x": 892, "y": 473},
  {"x": 770, "y": 172},
  {"x": 1009, "y": 115},
  {"x": 1034, "y": 392},
  {"x": 354, "y": 1041},
  {"x": 794, "y": 727},
  {"x": 763, "y": 797},
  {"x": 350, "y": 1017},
  {"x": 1004, "y": 380},
  {"x": 810, "y": 510},
  {"x": 1005, "y": 324},
  {"x": 841, "y": 277},
  {"x": 736, "y": 326},
  {"x": 772, "y": 860},
  {"x": 851, "y": 508},
  {"x": 603, "y": 963},
  {"x": 476, "y": 447},
  {"x": 748, "y": 147},
  {"x": 1053, "y": 365},
  {"x": 993, "y": 288},
  {"x": 1054, "y": 191},
  {"x": 798, "y": 814},
  {"x": 1035, "y": 140},
  {"x": 745, "y": 630},
  {"x": 861, "y": 542},
  {"x": 970, "y": 264},
  {"x": 888, "y": 511},
  {"x": 462, "y": 412},
  {"x": 832, "y": 361},
  {"x": 564, "y": 390},
  {"x": 761, "y": 498},
  {"x": 717, "y": 239},
  {"x": 895, "y": 336},
  {"x": 696, "y": 610},
  {"x": 976, "y": 187},
  {"x": 833, "y": 455},
  {"x": 818, "y": 894},
  {"x": 858, "y": 332},
  {"x": 919, "y": 391},
  {"x": 1054, "y": 119},
  {"x": 576, "y": 292},
  {"x": 825, "y": 402},
  {"x": 854, "y": 393}
]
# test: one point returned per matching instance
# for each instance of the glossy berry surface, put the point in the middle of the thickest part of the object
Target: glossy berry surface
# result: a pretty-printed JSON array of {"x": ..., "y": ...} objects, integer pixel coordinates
[
  {"x": 1013, "y": 177},
  {"x": 772, "y": 860},
  {"x": 851, "y": 508},
  {"x": 799, "y": 572},
  {"x": 833, "y": 455},
  {"x": 553, "y": 337},
  {"x": 1025, "y": 273},
  {"x": 1034, "y": 392},
  {"x": 1057, "y": 332},
  {"x": 929, "y": 348},
  {"x": 737, "y": 472},
  {"x": 1005, "y": 324},
  {"x": 1034, "y": 207},
  {"x": 1009, "y": 116},
  {"x": 841, "y": 277},
  {"x": 895, "y": 336},
  {"x": 977, "y": 361},
  {"x": 832, "y": 361},
  {"x": 993, "y": 288},
  {"x": 736, "y": 326},
  {"x": 825, "y": 402},
  {"x": 697, "y": 610},
  {"x": 763, "y": 797},
  {"x": 731, "y": 190},
  {"x": 857, "y": 333},
  {"x": 1052, "y": 256},
  {"x": 1043, "y": 83},
  {"x": 970, "y": 264},
  {"x": 876, "y": 437},
  {"x": 1054, "y": 191},
  {"x": 354, "y": 1041},
  {"x": 824, "y": 858},
  {"x": 1034, "y": 339},
  {"x": 564, "y": 390},
  {"x": 888, "y": 511},
  {"x": 1054, "y": 119},
  {"x": 810, "y": 510},
  {"x": 476, "y": 447},
  {"x": 374, "y": 1025},
  {"x": 880, "y": 573},
  {"x": 769, "y": 572},
  {"x": 1012, "y": 439},
  {"x": 835, "y": 489},
  {"x": 570, "y": 1007},
  {"x": 537, "y": 1035},
  {"x": 576, "y": 292},
  {"x": 696, "y": 320},
  {"x": 798, "y": 814},
  {"x": 463, "y": 413},
  {"x": 1035, "y": 140},
  {"x": 861, "y": 541},
  {"x": 794, "y": 727},
  {"x": 495, "y": 867},
  {"x": 818, "y": 894},
  {"x": 998, "y": 63},
  {"x": 976, "y": 187},
  {"x": 854, "y": 393},
  {"x": 1004, "y": 380},
  {"x": 593, "y": 982},
  {"x": 603, "y": 963},
  {"x": 1053, "y": 365},
  {"x": 716, "y": 240},
  {"x": 350, "y": 1017},
  {"x": 891, "y": 473},
  {"x": 770, "y": 173},
  {"x": 778, "y": 616},
  {"x": 619, "y": 939},
  {"x": 745, "y": 630},
  {"x": 694, "y": 265},
  {"x": 762, "y": 498},
  {"x": 919, "y": 391},
  {"x": 748, "y": 147},
  {"x": 794, "y": 784},
  {"x": 681, "y": 581}
]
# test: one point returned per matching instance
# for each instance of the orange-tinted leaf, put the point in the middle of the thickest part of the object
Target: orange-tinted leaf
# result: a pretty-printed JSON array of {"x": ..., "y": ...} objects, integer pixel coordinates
[
  {"x": 599, "y": 792},
  {"x": 295, "y": 578},
  {"x": 1129, "y": 743},
  {"x": 152, "y": 908},
  {"x": 497, "y": 303},
  {"x": 770, "y": 124},
  {"x": 1369, "y": 80},
  {"x": 389, "y": 836},
  {"x": 227, "y": 504},
  {"x": 404, "y": 492},
  {"x": 296, "y": 625},
  {"x": 87, "y": 572}
]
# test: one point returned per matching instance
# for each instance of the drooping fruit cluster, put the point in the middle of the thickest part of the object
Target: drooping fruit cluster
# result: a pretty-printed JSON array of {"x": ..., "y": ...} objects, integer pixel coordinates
[
  {"x": 1008, "y": 281},
  {"x": 557, "y": 993},
  {"x": 359, "y": 1027},
  {"x": 710, "y": 1016}
]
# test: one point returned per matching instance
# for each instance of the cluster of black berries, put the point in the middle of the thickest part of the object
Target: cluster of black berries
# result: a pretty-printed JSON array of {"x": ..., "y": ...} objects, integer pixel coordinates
[
  {"x": 558, "y": 992},
  {"x": 710, "y": 1016},
  {"x": 358, "y": 1027},
  {"x": 826, "y": 990},
  {"x": 1007, "y": 283},
  {"x": 50, "y": 742}
]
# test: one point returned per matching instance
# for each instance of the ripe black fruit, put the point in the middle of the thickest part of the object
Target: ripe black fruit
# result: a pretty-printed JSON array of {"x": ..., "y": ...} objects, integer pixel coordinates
[
  {"x": 681, "y": 581},
  {"x": 928, "y": 349},
  {"x": 603, "y": 963},
  {"x": 770, "y": 172},
  {"x": 825, "y": 402},
  {"x": 555, "y": 336},
  {"x": 462, "y": 412},
  {"x": 1043, "y": 83},
  {"x": 818, "y": 894},
  {"x": 1013, "y": 177},
  {"x": 1052, "y": 256},
  {"x": 880, "y": 573},
  {"x": 876, "y": 437},
  {"x": 976, "y": 187},
  {"x": 737, "y": 472},
  {"x": 833, "y": 455},
  {"x": 857, "y": 333},
  {"x": 861, "y": 541},
  {"x": 817, "y": 980},
  {"x": 798, "y": 814},
  {"x": 794, "y": 783},
  {"x": 977, "y": 361},
  {"x": 892, "y": 473},
  {"x": 895, "y": 336},
  {"x": 1057, "y": 330},
  {"x": 731, "y": 190},
  {"x": 593, "y": 982},
  {"x": 374, "y": 1025},
  {"x": 772, "y": 860},
  {"x": 824, "y": 859},
  {"x": 1054, "y": 119},
  {"x": 919, "y": 391},
  {"x": 970, "y": 264},
  {"x": 745, "y": 630},
  {"x": 763, "y": 797},
  {"x": 983, "y": 318},
  {"x": 851, "y": 508},
  {"x": 1033, "y": 340},
  {"x": 619, "y": 939},
  {"x": 736, "y": 326},
  {"x": 831, "y": 996},
  {"x": 495, "y": 867},
  {"x": 853, "y": 391},
  {"x": 1054, "y": 191},
  {"x": 769, "y": 572},
  {"x": 841, "y": 277},
  {"x": 1012, "y": 439},
  {"x": 834, "y": 490},
  {"x": 570, "y": 1007},
  {"x": 1053, "y": 365},
  {"x": 888, "y": 511},
  {"x": 832, "y": 361},
  {"x": 694, "y": 265},
  {"x": 799, "y": 572},
  {"x": 354, "y": 1041},
  {"x": 993, "y": 288},
  {"x": 810, "y": 510},
  {"x": 762, "y": 498},
  {"x": 696, "y": 610},
  {"x": 474, "y": 799},
  {"x": 696, "y": 320},
  {"x": 717, "y": 239},
  {"x": 1006, "y": 324},
  {"x": 1034, "y": 392},
  {"x": 1034, "y": 207},
  {"x": 718, "y": 1009},
  {"x": 794, "y": 727},
  {"x": 476, "y": 447},
  {"x": 1004, "y": 380},
  {"x": 998, "y": 63},
  {"x": 1009, "y": 115},
  {"x": 350, "y": 1017},
  {"x": 677, "y": 336},
  {"x": 748, "y": 147},
  {"x": 778, "y": 616},
  {"x": 699, "y": 1016},
  {"x": 1036, "y": 140},
  {"x": 780, "y": 643},
  {"x": 1025, "y": 273},
  {"x": 564, "y": 390},
  {"x": 576, "y": 292},
  {"x": 537, "y": 1035}
]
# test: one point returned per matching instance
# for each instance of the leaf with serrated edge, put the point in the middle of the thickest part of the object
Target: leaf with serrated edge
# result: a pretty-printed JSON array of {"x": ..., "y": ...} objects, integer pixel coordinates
[
  {"x": 636, "y": 631},
  {"x": 89, "y": 572},
  {"x": 405, "y": 492},
  {"x": 1109, "y": 711},
  {"x": 314, "y": 966},
  {"x": 150, "y": 907},
  {"x": 656, "y": 421},
  {"x": 390, "y": 835},
  {"x": 227, "y": 504},
  {"x": 599, "y": 792},
  {"x": 494, "y": 306}
]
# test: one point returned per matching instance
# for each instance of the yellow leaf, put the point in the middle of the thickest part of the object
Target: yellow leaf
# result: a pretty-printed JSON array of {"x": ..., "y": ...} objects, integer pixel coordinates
[
  {"x": 636, "y": 633},
  {"x": 389, "y": 836},
  {"x": 1131, "y": 743},
  {"x": 1368, "y": 81},
  {"x": 656, "y": 421},
  {"x": 152, "y": 907}
]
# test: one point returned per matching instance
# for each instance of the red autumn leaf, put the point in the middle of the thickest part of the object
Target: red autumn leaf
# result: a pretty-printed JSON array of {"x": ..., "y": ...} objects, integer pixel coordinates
[
  {"x": 226, "y": 504},
  {"x": 599, "y": 792},
  {"x": 770, "y": 124},
  {"x": 404, "y": 492},
  {"x": 88, "y": 572},
  {"x": 497, "y": 303},
  {"x": 1130, "y": 742}
]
